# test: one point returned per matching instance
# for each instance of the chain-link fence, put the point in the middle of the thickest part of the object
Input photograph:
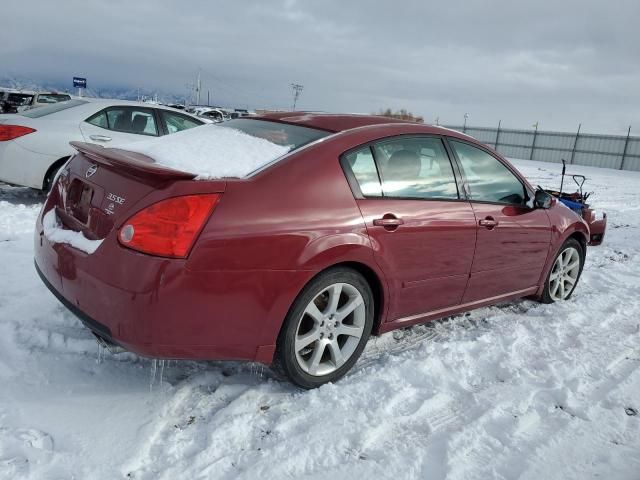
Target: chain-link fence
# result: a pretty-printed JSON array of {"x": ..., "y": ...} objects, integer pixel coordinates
[{"x": 610, "y": 151}]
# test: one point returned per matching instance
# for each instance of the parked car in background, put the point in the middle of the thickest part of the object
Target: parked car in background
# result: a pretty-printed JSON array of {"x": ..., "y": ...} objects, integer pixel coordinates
[
  {"x": 215, "y": 114},
  {"x": 41, "y": 99},
  {"x": 35, "y": 143},
  {"x": 323, "y": 230},
  {"x": 20, "y": 101},
  {"x": 13, "y": 100}
]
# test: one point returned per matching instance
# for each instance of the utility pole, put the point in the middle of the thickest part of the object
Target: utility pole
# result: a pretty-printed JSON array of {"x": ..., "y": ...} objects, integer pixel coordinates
[
  {"x": 575, "y": 144},
  {"x": 533, "y": 143},
  {"x": 624, "y": 152},
  {"x": 198, "y": 89},
  {"x": 464, "y": 127},
  {"x": 297, "y": 90}
]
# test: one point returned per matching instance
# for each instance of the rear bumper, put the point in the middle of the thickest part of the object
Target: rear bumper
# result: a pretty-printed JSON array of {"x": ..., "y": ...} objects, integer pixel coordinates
[
  {"x": 96, "y": 327},
  {"x": 161, "y": 308},
  {"x": 19, "y": 166}
]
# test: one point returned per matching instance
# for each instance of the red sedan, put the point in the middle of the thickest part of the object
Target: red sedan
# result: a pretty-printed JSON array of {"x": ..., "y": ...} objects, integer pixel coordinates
[{"x": 363, "y": 226}]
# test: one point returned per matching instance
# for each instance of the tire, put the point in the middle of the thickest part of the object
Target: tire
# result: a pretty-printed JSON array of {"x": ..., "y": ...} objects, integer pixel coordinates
[
  {"x": 559, "y": 286},
  {"x": 326, "y": 328},
  {"x": 51, "y": 174},
  {"x": 50, "y": 177}
]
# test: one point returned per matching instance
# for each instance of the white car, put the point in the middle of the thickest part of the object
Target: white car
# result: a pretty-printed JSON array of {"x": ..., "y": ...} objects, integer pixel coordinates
[{"x": 35, "y": 144}]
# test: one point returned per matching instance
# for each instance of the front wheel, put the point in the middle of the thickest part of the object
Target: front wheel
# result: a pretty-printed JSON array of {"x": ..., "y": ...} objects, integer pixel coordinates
[
  {"x": 326, "y": 329},
  {"x": 565, "y": 273}
]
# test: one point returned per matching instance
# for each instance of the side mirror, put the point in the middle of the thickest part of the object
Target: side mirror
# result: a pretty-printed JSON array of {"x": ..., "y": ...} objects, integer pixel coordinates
[{"x": 542, "y": 199}]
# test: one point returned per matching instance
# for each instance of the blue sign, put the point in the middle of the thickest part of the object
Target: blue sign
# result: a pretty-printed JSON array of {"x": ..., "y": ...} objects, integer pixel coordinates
[{"x": 79, "y": 82}]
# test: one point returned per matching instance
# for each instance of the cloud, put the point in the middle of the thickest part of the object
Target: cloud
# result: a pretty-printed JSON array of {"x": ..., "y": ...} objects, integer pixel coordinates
[{"x": 559, "y": 63}]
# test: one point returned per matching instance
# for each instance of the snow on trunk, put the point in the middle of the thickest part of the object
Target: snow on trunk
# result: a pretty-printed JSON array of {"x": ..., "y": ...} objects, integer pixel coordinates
[{"x": 210, "y": 151}]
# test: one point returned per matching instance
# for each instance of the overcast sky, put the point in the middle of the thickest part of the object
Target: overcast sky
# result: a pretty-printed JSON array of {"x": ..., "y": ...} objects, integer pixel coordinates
[{"x": 557, "y": 62}]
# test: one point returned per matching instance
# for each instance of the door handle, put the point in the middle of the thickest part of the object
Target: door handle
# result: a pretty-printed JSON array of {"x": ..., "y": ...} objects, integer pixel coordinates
[
  {"x": 390, "y": 222},
  {"x": 100, "y": 138},
  {"x": 489, "y": 223}
]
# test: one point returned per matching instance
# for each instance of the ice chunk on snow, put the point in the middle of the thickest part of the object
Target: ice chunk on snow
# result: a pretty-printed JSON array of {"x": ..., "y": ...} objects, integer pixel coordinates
[
  {"x": 54, "y": 232},
  {"x": 210, "y": 151}
]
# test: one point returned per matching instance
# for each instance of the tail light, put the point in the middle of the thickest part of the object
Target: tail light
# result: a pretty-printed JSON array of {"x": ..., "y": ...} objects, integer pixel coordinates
[
  {"x": 168, "y": 228},
  {"x": 9, "y": 132}
]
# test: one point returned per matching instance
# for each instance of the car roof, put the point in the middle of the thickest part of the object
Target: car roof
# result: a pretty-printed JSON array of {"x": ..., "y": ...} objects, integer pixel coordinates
[{"x": 333, "y": 122}]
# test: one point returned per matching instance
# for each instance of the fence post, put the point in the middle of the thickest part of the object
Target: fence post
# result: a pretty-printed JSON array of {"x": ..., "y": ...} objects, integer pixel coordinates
[
  {"x": 495, "y": 147},
  {"x": 533, "y": 144},
  {"x": 624, "y": 152},
  {"x": 575, "y": 144}
]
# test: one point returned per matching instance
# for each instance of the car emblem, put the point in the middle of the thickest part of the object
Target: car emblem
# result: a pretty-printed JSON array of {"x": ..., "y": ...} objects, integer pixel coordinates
[{"x": 91, "y": 170}]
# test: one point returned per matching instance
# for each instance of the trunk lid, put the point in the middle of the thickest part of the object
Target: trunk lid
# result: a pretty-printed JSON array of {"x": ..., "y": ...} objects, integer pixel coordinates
[{"x": 102, "y": 187}]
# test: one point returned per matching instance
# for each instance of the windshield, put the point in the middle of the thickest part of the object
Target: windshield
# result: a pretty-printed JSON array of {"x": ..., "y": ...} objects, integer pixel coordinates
[
  {"x": 53, "y": 98},
  {"x": 53, "y": 108},
  {"x": 284, "y": 134}
]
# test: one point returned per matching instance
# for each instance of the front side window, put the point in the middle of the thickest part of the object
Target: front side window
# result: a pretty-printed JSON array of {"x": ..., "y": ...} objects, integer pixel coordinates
[
  {"x": 175, "y": 122},
  {"x": 415, "y": 167},
  {"x": 487, "y": 178},
  {"x": 139, "y": 121}
]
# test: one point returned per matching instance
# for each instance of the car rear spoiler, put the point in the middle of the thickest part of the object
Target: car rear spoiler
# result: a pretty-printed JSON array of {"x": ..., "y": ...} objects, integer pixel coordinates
[{"x": 135, "y": 164}]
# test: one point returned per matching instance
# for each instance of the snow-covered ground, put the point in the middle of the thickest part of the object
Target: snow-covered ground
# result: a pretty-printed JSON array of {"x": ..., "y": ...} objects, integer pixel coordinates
[{"x": 520, "y": 390}]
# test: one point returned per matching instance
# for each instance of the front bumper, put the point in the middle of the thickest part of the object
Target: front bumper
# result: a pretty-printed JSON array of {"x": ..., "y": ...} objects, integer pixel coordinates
[{"x": 597, "y": 229}]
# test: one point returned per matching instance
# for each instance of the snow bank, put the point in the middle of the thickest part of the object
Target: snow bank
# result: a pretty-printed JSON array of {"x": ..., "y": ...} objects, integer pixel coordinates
[
  {"x": 520, "y": 390},
  {"x": 56, "y": 234},
  {"x": 210, "y": 151}
]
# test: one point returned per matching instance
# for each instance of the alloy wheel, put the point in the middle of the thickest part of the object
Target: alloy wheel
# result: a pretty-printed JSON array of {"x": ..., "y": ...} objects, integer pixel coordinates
[
  {"x": 330, "y": 329},
  {"x": 565, "y": 273}
]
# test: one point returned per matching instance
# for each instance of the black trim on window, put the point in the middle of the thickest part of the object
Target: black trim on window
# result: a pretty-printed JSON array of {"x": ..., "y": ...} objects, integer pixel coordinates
[
  {"x": 355, "y": 186},
  {"x": 467, "y": 190},
  {"x": 148, "y": 110}
]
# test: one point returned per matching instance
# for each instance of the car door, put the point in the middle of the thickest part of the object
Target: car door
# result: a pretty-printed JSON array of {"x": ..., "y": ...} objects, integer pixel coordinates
[
  {"x": 423, "y": 234},
  {"x": 513, "y": 239},
  {"x": 118, "y": 125}
]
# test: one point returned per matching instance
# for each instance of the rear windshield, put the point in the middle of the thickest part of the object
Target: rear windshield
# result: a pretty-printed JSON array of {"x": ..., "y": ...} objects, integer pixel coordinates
[
  {"x": 284, "y": 134},
  {"x": 19, "y": 99},
  {"x": 53, "y": 98},
  {"x": 53, "y": 108}
]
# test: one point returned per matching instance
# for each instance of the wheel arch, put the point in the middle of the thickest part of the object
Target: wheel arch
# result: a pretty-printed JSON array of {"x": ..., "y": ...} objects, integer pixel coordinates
[
  {"x": 372, "y": 276},
  {"x": 577, "y": 231},
  {"x": 52, "y": 168}
]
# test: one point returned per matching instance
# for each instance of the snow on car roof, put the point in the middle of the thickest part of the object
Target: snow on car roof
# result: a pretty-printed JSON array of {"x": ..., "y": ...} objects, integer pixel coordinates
[{"x": 210, "y": 151}]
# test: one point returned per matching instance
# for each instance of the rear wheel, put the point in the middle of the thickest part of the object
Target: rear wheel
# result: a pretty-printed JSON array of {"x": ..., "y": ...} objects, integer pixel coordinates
[
  {"x": 50, "y": 176},
  {"x": 326, "y": 329},
  {"x": 565, "y": 272}
]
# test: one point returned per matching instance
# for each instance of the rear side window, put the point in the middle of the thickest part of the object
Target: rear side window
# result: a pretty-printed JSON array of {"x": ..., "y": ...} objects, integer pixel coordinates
[
  {"x": 488, "y": 179},
  {"x": 175, "y": 122},
  {"x": 364, "y": 170},
  {"x": 99, "y": 120},
  {"x": 415, "y": 167}
]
